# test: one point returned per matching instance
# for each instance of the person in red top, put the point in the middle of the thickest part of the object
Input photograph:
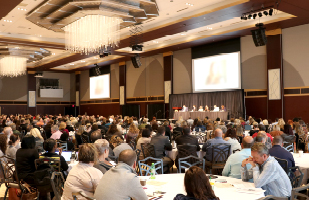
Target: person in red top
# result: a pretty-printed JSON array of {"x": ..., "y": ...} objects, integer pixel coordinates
[{"x": 262, "y": 128}]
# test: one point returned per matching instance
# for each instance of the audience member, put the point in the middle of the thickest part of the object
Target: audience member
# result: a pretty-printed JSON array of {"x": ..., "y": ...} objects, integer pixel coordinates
[
  {"x": 121, "y": 182},
  {"x": 50, "y": 146},
  {"x": 3, "y": 144},
  {"x": 119, "y": 145},
  {"x": 262, "y": 128},
  {"x": 231, "y": 138},
  {"x": 261, "y": 137},
  {"x": 146, "y": 138},
  {"x": 279, "y": 152},
  {"x": 13, "y": 143},
  {"x": 255, "y": 129},
  {"x": 188, "y": 139},
  {"x": 267, "y": 173},
  {"x": 25, "y": 157},
  {"x": 83, "y": 177},
  {"x": 197, "y": 186},
  {"x": 95, "y": 136},
  {"x": 207, "y": 147},
  {"x": 162, "y": 143},
  {"x": 56, "y": 134},
  {"x": 102, "y": 146},
  {"x": 233, "y": 163},
  {"x": 132, "y": 133}
]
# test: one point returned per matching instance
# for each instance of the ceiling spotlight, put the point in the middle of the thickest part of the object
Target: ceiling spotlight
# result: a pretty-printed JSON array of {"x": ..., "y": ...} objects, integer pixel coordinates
[
  {"x": 271, "y": 12},
  {"x": 82, "y": 61},
  {"x": 254, "y": 15},
  {"x": 250, "y": 16},
  {"x": 260, "y": 14},
  {"x": 265, "y": 13}
]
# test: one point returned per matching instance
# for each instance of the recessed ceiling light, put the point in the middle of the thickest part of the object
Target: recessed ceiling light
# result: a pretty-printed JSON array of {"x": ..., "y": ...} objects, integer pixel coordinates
[
  {"x": 82, "y": 61},
  {"x": 72, "y": 64}
]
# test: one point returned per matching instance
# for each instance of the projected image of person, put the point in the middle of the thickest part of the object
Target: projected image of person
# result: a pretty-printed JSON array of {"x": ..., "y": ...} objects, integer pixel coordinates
[
  {"x": 99, "y": 87},
  {"x": 217, "y": 73}
]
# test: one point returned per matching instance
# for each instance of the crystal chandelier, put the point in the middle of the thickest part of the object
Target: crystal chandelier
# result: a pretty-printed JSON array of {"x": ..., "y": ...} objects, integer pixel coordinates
[
  {"x": 92, "y": 33},
  {"x": 13, "y": 66}
]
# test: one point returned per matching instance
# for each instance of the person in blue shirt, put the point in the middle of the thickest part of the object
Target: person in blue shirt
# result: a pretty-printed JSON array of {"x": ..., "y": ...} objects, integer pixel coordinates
[
  {"x": 279, "y": 152},
  {"x": 233, "y": 163}
]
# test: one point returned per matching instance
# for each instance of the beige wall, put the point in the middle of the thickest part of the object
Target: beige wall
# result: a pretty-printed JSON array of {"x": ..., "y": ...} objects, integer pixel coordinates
[
  {"x": 295, "y": 50},
  {"x": 254, "y": 64},
  {"x": 115, "y": 80},
  {"x": 182, "y": 71},
  {"x": 84, "y": 86},
  {"x": 146, "y": 80},
  {"x": 14, "y": 89}
]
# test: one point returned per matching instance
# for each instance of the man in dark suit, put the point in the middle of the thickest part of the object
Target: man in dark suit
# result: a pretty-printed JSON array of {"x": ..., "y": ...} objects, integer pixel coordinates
[
  {"x": 255, "y": 129},
  {"x": 178, "y": 127},
  {"x": 279, "y": 152},
  {"x": 188, "y": 139},
  {"x": 162, "y": 143}
]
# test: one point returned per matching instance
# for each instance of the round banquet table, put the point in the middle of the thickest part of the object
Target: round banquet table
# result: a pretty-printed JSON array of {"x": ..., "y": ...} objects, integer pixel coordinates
[
  {"x": 175, "y": 185},
  {"x": 303, "y": 164},
  {"x": 201, "y": 115}
]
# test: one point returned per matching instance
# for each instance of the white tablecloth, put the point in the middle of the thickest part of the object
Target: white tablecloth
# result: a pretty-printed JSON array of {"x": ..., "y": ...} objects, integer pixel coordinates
[
  {"x": 175, "y": 185},
  {"x": 303, "y": 164},
  {"x": 172, "y": 154}
]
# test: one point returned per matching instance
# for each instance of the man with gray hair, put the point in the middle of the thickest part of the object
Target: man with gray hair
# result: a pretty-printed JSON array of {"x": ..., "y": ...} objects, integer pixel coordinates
[
  {"x": 262, "y": 137},
  {"x": 121, "y": 182},
  {"x": 102, "y": 146},
  {"x": 56, "y": 134},
  {"x": 266, "y": 171}
]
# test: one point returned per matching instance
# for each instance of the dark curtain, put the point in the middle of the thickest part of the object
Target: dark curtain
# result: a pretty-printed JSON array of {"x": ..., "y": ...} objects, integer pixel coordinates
[
  {"x": 156, "y": 110},
  {"x": 69, "y": 110},
  {"x": 232, "y": 100},
  {"x": 130, "y": 110}
]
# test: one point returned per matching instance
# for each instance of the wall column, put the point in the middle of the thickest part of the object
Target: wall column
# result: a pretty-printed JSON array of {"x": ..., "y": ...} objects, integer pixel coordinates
[
  {"x": 122, "y": 85},
  {"x": 77, "y": 91},
  {"x": 168, "y": 79},
  {"x": 275, "y": 90},
  {"x": 31, "y": 93}
]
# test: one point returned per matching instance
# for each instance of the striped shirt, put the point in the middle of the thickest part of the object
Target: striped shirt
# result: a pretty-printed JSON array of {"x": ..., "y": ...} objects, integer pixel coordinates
[{"x": 271, "y": 177}]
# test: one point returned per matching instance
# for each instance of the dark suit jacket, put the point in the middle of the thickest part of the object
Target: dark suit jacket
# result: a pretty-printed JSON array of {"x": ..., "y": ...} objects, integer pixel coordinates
[
  {"x": 161, "y": 143},
  {"x": 188, "y": 139},
  {"x": 251, "y": 132},
  {"x": 168, "y": 132},
  {"x": 279, "y": 152},
  {"x": 70, "y": 128},
  {"x": 24, "y": 127},
  {"x": 178, "y": 129}
]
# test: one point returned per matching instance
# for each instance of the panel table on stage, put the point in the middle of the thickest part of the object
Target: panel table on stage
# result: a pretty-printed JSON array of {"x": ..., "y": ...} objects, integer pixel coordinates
[{"x": 201, "y": 115}]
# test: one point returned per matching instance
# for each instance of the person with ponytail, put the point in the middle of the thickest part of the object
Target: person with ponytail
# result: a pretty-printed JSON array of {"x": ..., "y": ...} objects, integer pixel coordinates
[
  {"x": 197, "y": 186},
  {"x": 14, "y": 141}
]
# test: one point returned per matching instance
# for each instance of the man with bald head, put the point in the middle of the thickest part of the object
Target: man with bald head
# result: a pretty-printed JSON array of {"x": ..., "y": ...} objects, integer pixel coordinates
[
  {"x": 279, "y": 152},
  {"x": 207, "y": 147},
  {"x": 233, "y": 163},
  {"x": 121, "y": 182}
]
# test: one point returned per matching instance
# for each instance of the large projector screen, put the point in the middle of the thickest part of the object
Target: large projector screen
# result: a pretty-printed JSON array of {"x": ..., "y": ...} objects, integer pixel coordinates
[
  {"x": 216, "y": 73},
  {"x": 100, "y": 87}
]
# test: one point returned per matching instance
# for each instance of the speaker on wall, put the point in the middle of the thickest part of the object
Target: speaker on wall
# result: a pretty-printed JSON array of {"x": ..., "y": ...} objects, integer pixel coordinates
[
  {"x": 259, "y": 36},
  {"x": 136, "y": 61}
]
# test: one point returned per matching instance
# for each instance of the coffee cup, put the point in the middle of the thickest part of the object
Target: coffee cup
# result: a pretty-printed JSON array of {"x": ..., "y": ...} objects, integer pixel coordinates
[{"x": 143, "y": 181}]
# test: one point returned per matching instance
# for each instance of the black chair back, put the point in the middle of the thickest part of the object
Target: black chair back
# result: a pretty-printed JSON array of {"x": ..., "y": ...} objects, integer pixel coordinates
[
  {"x": 148, "y": 150},
  {"x": 283, "y": 163},
  {"x": 175, "y": 134},
  {"x": 132, "y": 143},
  {"x": 186, "y": 150},
  {"x": 300, "y": 193},
  {"x": 220, "y": 152},
  {"x": 85, "y": 138},
  {"x": 296, "y": 180}
]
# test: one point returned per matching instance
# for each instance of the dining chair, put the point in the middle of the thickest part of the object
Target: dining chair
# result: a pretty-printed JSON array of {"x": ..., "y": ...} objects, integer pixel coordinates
[
  {"x": 289, "y": 148},
  {"x": 296, "y": 176},
  {"x": 57, "y": 182},
  {"x": 300, "y": 193},
  {"x": 190, "y": 161},
  {"x": 220, "y": 153},
  {"x": 148, "y": 150},
  {"x": 145, "y": 166},
  {"x": 283, "y": 163},
  {"x": 85, "y": 138}
]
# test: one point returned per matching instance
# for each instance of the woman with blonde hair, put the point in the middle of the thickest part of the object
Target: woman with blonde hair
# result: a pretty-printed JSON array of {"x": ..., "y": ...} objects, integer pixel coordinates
[
  {"x": 281, "y": 123},
  {"x": 132, "y": 133},
  {"x": 38, "y": 139}
]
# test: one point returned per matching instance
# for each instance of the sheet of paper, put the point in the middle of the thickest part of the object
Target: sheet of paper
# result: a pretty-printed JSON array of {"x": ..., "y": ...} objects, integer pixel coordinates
[
  {"x": 156, "y": 183},
  {"x": 256, "y": 191},
  {"x": 223, "y": 185}
]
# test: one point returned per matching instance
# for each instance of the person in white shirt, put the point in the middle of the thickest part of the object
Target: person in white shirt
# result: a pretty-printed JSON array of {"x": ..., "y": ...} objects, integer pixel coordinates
[
  {"x": 83, "y": 177},
  {"x": 56, "y": 134},
  {"x": 231, "y": 138}
]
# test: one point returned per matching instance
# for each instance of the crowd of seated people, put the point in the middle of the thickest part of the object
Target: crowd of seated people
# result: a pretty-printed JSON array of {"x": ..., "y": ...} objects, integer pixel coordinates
[{"x": 112, "y": 137}]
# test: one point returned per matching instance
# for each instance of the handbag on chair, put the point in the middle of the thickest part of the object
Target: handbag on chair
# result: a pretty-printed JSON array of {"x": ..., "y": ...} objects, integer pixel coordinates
[{"x": 30, "y": 193}]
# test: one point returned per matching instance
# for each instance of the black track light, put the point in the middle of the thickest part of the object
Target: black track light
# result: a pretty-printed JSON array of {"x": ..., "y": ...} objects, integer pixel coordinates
[
  {"x": 254, "y": 15},
  {"x": 243, "y": 17},
  {"x": 265, "y": 13},
  {"x": 260, "y": 14},
  {"x": 271, "y": 12},
  {"x": 250, "y": 16}
]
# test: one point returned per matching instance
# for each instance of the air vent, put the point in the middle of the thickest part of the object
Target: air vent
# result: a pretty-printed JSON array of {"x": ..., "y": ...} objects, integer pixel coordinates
[
  {"x": 21, "y": 27},
  {"x": 236, "y": 23},
  {"x": 182, "y": 9}
]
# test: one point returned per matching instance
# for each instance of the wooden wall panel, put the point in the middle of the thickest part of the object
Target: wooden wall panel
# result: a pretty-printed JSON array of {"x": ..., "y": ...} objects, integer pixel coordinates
[
  {"x": 296, "y": 106},
  {"x": 256, "y": 107},
  {"x": 100, "y": 109},
  {"x": 51, "y": 109},
  {"x": 14, "y": 109}
]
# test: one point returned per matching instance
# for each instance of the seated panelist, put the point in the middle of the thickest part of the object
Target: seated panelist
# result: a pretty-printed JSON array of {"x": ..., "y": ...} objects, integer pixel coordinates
[
  {"x": 201, "y": 109},
  {"x": 223, "y": 109},
  {"x": 194, "y": 108},
  {"x": 206, "y": 108},
  {"x": 184, "y": 109}
]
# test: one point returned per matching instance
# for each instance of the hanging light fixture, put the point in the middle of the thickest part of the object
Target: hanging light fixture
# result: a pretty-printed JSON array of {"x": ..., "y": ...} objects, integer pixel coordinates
[
  {"x": 92, "y": 33},
  {"x": 13, "y": 66}
]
